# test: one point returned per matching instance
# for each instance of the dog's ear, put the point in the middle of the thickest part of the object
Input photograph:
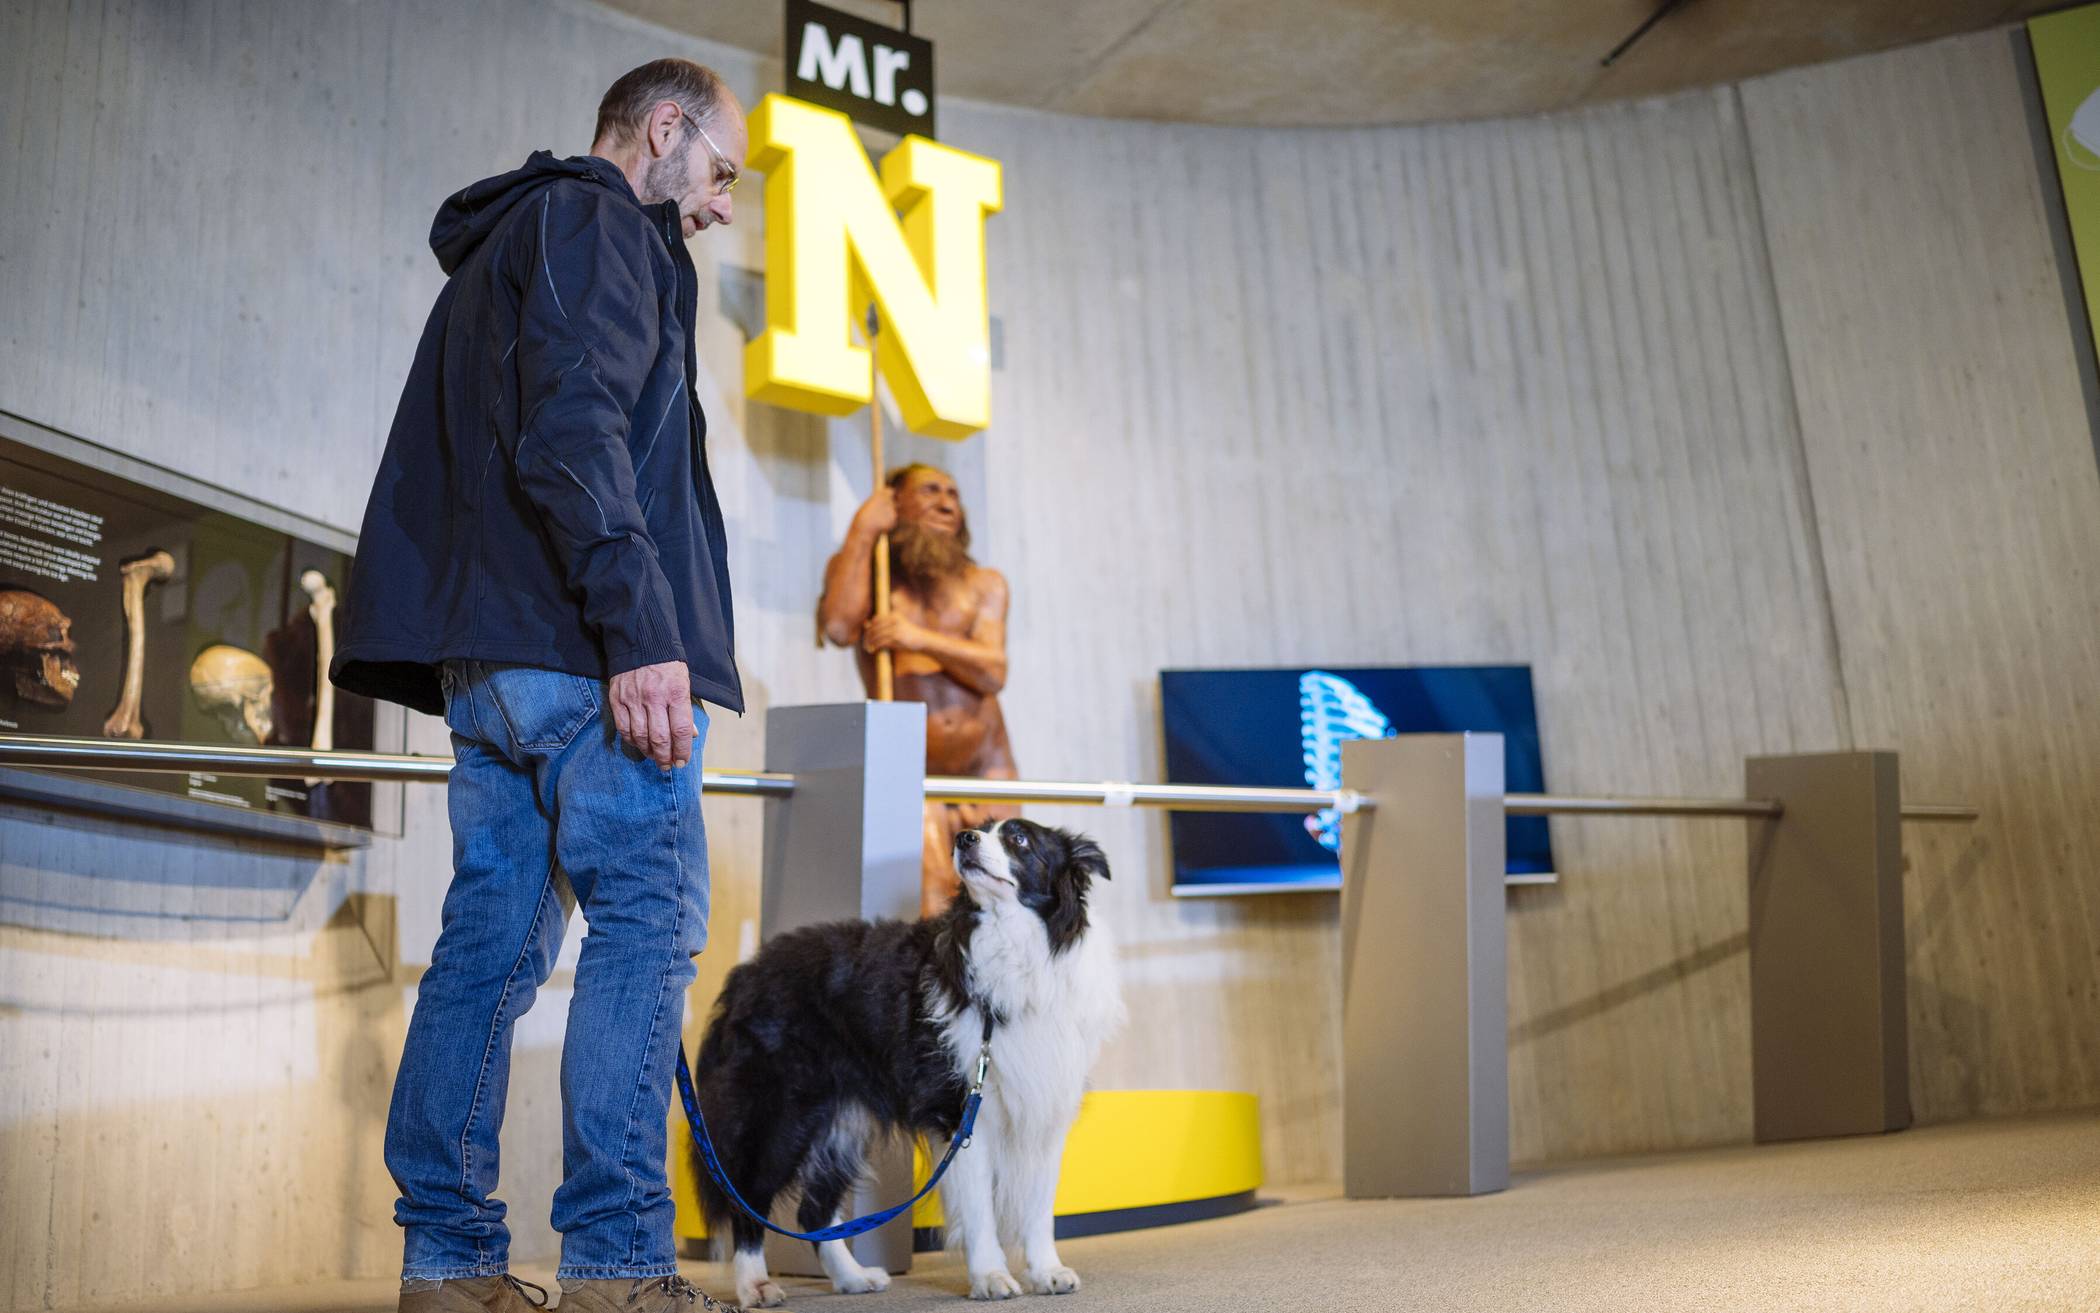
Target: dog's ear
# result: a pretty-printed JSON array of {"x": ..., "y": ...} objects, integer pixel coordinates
[
  {"x": 1083, "y": 862},
  {"x": 1084, "y": 857}
]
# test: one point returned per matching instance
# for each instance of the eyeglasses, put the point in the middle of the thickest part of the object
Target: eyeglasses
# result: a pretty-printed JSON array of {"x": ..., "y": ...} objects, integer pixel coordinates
[{"x": 728, "y": 184}]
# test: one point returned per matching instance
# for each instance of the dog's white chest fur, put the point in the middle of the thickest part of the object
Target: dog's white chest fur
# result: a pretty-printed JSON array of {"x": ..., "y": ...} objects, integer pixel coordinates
[{"x": 1055, "y": 1012}]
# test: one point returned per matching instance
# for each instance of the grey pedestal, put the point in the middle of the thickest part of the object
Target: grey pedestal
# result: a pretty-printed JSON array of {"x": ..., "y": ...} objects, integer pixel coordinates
[
  {"x": 846, "y": 845},
  {"x": 1829, "y": 1036},
  {"x": 1425, "y": 1007},
  {"x": 1425, "y": 1079}
]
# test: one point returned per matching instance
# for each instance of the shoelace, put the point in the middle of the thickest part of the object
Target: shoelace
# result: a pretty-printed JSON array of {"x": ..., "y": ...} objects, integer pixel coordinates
[
  {"x": 522, "y": 1286},
  {"x": 675, "y": 1284}
]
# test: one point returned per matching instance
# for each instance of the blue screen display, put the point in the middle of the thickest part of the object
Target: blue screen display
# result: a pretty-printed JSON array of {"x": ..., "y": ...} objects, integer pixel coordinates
[{"x": 1285, "y": 728}]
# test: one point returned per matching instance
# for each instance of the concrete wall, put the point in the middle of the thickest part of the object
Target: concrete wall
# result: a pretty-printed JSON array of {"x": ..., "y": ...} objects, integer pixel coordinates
[
  {"x": 1749, "y": 418},
  {"x": 1958, "y": 514}
]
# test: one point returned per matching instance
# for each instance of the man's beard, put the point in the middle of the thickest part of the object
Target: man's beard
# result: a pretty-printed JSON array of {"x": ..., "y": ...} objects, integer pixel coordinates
[
  {"x": 921, "y": 558},
  {"x": 667, "y": 179}
]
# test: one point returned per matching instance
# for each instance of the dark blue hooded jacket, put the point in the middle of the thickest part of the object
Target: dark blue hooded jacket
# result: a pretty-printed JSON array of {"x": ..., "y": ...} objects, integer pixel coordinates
[{"x": 544, "y": 497}]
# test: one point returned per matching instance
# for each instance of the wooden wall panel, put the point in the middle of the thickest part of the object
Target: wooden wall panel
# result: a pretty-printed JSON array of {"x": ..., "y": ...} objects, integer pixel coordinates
[{"x": 1958, "y": 508}]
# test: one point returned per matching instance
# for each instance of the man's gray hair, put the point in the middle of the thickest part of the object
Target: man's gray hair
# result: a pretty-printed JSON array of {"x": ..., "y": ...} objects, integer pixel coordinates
[{"x": 624, "y": 113}]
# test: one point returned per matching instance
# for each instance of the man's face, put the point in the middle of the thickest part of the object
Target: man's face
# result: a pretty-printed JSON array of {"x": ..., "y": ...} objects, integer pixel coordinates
[
  {"x": 932, "y": 501},
  {"x": 690, "y": 164}
]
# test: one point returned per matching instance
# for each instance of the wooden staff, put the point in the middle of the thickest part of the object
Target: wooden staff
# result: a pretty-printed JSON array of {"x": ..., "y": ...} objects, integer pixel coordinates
[{"x": 885, "y": 660}]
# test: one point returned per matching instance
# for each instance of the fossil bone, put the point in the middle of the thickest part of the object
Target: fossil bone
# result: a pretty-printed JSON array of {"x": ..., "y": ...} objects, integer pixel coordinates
[
  {"x": 140, "y": 573},
  {"x": 322, "y": 609},
  {"x": 36, "y": 648},
  {"x": 235, "y": 685}
]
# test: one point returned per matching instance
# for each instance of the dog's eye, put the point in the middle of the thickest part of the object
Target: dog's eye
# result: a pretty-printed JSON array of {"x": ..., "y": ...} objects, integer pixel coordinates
[{"x": 1020, "y": 840}]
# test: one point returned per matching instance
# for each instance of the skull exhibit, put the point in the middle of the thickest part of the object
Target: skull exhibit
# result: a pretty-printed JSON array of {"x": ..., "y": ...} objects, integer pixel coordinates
[
  {"x": 36, "y": 648},
  {"x": 235, "y": 685}
]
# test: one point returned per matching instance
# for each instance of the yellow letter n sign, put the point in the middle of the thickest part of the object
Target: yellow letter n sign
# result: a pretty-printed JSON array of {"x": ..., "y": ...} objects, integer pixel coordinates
[{"x": 835, "y": 238}]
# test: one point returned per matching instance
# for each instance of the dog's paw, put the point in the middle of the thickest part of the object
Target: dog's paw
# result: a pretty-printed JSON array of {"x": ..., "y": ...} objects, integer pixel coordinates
[
  {"x": 993, "y": 1285},
  {"x": 866, "y": 1281},
  {"x": 760, "y": 1294},
  {"x": 1053, "y": 1281}
]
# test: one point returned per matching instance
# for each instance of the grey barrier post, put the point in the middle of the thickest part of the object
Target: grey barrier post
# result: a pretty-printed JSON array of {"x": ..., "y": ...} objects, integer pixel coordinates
[
  {"x": 1829, "y": 1037},
  {"x": 845, "y": 845},
  {"x": 1425, "y": 1005}
]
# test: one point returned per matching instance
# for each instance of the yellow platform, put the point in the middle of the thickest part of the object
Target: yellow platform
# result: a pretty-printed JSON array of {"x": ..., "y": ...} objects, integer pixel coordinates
[{"x": 1135, "y": 1158}]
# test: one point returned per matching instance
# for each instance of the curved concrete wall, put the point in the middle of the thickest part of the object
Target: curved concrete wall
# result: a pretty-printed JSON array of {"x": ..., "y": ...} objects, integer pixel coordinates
[{"x": 1749, "y": 417}]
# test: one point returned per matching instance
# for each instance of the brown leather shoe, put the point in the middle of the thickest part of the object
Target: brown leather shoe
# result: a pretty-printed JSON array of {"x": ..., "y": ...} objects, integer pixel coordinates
[
  {"x": 671, "y": 1294},
  {"x": 504, "y": 1294}
]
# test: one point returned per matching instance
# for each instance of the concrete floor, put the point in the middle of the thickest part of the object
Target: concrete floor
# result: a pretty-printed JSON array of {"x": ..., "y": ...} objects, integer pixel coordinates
[{"x": 1986, "y": 1215}]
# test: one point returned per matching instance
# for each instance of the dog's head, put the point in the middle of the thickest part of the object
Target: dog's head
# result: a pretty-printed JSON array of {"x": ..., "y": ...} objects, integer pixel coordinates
[{"x": 1046, "y": 870}]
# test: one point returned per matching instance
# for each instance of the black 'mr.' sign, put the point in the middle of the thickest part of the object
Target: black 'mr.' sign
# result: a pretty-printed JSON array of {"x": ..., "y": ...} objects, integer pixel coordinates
[{"x": 872, "y": 74}]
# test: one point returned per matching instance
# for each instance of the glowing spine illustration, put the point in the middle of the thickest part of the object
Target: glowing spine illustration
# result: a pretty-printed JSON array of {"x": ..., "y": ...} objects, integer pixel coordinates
[{"x": 1331, "y": 711}]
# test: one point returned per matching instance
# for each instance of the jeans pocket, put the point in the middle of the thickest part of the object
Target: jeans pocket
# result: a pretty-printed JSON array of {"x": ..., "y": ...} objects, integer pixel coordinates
[
  {"x": 542, "y": 709},
  {"x": 458, "y": 714}
]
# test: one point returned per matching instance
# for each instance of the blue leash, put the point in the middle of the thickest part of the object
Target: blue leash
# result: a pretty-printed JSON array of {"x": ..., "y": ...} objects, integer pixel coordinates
[{"x": 859, "y": 1225}]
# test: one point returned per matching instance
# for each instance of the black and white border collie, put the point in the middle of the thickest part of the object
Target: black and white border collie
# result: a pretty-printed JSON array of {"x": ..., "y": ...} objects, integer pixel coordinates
[{"x": 838, "y": 1033}]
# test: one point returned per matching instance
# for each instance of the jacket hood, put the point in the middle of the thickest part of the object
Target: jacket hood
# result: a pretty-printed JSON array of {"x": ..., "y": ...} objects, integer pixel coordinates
[{"x": 469, "y": 215}]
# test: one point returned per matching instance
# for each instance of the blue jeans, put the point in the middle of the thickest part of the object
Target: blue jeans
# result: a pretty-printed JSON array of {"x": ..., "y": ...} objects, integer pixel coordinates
[{"x": 546, "y": 802}]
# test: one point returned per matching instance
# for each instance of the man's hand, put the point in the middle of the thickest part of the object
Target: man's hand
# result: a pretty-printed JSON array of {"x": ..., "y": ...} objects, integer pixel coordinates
[
  {"x": 892, "y": 632},
  {"x": 878, "y": 514},
  {"x": 653, "y": 709}
]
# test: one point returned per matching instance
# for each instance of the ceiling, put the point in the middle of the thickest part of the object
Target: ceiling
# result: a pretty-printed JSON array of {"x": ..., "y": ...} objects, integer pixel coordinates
[{"x": 1335, "y": 62}]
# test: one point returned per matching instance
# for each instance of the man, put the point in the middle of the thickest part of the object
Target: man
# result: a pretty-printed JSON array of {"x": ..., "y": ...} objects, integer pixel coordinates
[
  {"x": 542, "y": 564},
  {"x": 947, "y": 630}
]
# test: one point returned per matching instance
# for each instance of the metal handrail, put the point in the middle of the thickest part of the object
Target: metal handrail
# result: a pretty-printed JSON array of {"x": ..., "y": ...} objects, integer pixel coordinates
[
  {"x": 1555, "y": 804},
  {"x": 1225, "y": 798},
  {"x": 1111, "y": 793},
  {"x": 1549, "y": 804},
  {"x": 304, "y": 763},
  {"x": 1941, "y": 811},
  {"x": 225, "y": 759}
]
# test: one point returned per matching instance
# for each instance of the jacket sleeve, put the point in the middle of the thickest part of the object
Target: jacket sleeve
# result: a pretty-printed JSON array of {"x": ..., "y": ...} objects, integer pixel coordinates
[{"x": 587, "y": 339}]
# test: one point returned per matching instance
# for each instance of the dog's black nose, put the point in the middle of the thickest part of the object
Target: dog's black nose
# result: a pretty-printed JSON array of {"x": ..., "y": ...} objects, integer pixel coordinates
[{"x": 968, "y": 838}]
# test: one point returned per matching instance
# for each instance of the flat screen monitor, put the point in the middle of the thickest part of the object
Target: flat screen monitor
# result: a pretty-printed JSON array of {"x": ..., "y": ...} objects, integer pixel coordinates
[{"x": 1285, "y": 728}]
